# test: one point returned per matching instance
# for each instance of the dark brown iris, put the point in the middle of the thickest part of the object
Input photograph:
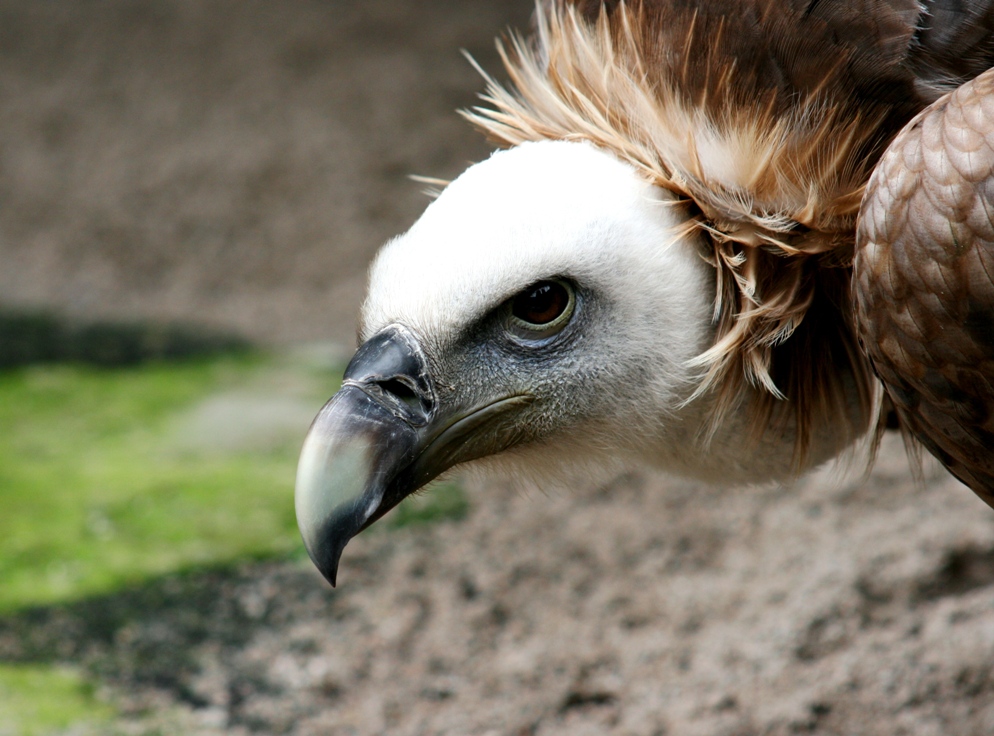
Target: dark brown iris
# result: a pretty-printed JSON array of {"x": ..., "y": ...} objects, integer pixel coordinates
[{"x": 541, "y": 303}]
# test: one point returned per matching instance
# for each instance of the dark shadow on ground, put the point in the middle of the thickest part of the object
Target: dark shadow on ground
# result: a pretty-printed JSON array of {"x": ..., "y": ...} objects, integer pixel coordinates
[
  {"x": 147, "y": 636},
  {"x": 28, "y": 337}
]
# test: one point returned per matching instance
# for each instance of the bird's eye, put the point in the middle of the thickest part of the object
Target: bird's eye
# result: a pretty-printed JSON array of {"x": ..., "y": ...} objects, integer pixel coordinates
[{"x": 542, "y": 309}]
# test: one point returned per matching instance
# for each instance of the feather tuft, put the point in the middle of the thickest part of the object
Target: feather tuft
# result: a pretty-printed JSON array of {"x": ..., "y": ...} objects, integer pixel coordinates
[{"x": 772, "y": 177}]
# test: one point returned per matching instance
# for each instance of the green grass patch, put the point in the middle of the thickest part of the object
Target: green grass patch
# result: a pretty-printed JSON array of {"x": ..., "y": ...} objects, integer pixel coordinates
[
  {"x": 444, "y": 501},
  {"x": 108, "y": 477},
  {"x": 38, "y": 700}
]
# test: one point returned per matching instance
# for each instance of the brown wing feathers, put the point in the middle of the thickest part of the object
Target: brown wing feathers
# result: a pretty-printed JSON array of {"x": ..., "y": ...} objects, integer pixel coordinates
[{"x": 924, "y": 280}]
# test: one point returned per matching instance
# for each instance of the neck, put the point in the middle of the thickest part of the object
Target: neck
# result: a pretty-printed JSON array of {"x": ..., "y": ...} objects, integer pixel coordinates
[{"x": 751, "y": 444}]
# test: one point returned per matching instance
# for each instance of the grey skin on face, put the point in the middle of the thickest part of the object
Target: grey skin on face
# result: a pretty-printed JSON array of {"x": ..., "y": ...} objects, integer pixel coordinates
[{"x": 381, "y": 437}]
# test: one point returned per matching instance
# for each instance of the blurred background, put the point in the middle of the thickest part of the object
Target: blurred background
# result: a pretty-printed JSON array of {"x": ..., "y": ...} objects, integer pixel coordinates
[
  {"x": 190, "y": 193},
  {"x": 226, "y": 163}
]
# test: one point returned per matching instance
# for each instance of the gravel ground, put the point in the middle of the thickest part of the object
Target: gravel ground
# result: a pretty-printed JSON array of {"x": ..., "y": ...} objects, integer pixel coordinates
[
  {"x": 644, "y": 606},
  {"x": 234, "y": 164}
]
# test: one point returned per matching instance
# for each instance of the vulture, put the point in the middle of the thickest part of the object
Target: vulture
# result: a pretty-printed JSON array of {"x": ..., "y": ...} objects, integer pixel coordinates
[{"x": 726, "y": 238}]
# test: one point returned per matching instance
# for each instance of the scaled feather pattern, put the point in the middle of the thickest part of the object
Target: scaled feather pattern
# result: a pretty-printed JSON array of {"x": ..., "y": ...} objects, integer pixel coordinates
[{"x": 925, "y": 280}]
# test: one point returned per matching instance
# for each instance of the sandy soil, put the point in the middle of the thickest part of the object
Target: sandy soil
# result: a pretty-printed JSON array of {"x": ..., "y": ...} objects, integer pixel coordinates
[{"x": 236, "y": 163}]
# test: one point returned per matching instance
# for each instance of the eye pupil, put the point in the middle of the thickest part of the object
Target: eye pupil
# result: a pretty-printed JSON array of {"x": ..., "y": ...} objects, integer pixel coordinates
[{"x": 541, "y": 303}]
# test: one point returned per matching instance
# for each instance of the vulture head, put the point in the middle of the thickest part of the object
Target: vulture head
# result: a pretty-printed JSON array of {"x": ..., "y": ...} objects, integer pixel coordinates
[
  {"x": 656, "y": 269},
  {"x": 551, "y": 306}
]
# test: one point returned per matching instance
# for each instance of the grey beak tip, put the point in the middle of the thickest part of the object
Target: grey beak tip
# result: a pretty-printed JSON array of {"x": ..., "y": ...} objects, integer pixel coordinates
[
  {"x": 326, "y": 557},
  {"x": 331, "y": 575},
  {"x": 327, "y": 546}
]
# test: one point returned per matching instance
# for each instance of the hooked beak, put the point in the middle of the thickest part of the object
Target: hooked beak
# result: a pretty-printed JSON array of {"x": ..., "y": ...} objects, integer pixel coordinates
[{"x": 380, "y": 438}]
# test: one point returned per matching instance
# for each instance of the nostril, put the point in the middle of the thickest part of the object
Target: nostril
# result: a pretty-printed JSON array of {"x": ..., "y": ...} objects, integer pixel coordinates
[{"x": 402, "y": 391}]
